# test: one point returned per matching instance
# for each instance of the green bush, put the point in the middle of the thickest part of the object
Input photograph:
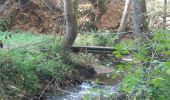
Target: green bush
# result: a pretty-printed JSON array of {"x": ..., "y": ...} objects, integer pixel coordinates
[
  {"x": 3, "y": 25},
  {"x": 148, "y": 76}
]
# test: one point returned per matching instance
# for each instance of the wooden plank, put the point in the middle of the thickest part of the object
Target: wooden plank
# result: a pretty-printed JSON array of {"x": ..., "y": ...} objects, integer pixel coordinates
[
  {"x": 91, "y": 49},
  {"x": 105, "y": 33},
  {"x": 100, "y": 52},
  {"x": 94, "y": 49}
]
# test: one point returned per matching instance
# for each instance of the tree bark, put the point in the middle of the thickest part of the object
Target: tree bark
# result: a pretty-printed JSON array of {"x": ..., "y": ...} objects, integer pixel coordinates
[
  {"x": 144, "y": 26},
  {"x": 137, "y": 21},
  {"x": 123, "y": 21},
  {"x": 124, "y": 17},
  {"x": 71, "y": 25},
  {"x": 164, "y": 15},
  {"x": 139, "y": 27}
]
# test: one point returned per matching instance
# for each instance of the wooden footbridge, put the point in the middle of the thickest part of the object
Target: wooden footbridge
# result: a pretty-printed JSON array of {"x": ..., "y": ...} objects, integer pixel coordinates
[
  {"x": 94, "y": 49},
  {"x": 99, "y": 49}
]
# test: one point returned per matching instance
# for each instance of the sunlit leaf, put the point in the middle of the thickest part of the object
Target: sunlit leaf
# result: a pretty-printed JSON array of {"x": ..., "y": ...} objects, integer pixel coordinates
[
  {"x": 167, "y": 64},
  {"x": 157, "y": 81},
  {"x": 168, "y": 71}
]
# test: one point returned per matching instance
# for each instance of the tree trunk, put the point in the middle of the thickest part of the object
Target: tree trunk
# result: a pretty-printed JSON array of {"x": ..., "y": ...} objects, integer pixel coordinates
[
  {"x": 123, "y": 20},
  {"x": 71, "y": 25},
  {"x": 139, "y": 27},
  {"x": 144, "y": 26},
  {"x": 140, "y": 16},
  {"x": 164, "y": 15},
  {"x": 124, "y": 17},
  {"x": 137, "y": 21}
]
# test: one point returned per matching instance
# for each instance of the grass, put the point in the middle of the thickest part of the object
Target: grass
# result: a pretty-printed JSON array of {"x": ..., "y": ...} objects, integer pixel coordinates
[
  {"x": 22, "y": 39},
  {"x": 102, "y": 40},
  {"x": 29, "y": 61}
]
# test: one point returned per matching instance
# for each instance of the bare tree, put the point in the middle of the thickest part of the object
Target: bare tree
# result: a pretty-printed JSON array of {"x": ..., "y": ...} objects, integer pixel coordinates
[
  {"x": 71, "y": 25},
  {"x": 123, "y": 20},
  {"x": 164, "y": 15},
  {"x": 124, "y": 17}
]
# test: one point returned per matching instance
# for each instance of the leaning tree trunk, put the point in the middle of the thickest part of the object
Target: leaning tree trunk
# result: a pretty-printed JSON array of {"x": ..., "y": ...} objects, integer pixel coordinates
[
  {"x": 71, "y": 25},
  {"x": 164, "y": 15},
  {"x": 124, "y": 17},
  {"x": 123, "y": 21}
]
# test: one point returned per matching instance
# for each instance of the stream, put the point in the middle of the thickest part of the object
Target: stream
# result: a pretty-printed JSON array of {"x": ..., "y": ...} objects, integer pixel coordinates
[
  {"x": 99, "y": 87},
  {"x": 104, "y": 89}
]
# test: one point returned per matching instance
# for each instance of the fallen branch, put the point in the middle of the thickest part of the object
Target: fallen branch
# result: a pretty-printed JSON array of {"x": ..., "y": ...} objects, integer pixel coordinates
[
  {"x": 58, "y": 88},
  {"x": 39, "y": 98}
]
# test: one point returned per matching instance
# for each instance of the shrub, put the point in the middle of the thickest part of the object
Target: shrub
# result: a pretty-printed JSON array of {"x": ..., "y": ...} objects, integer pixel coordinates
[
  {"x": 149, "y": 79},
  {"x": 24, "y": 70}
]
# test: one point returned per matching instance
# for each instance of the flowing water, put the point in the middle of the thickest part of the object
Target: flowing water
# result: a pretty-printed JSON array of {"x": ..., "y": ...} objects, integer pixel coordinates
[{"x": 88, "y": 90}]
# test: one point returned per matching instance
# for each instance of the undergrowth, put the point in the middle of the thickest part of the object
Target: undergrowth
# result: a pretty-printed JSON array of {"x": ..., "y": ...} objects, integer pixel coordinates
[
  {"x": 95, "y": 39},
  {"x": 28, "y": 63},
  {"x": 147, "y": 76}
]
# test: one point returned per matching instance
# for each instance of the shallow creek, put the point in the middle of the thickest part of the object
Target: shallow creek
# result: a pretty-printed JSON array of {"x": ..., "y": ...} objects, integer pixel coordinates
[{"x": 88, "y": 90}]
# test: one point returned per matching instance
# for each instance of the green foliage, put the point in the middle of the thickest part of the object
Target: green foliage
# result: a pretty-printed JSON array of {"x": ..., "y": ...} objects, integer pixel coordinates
[
  {"x": 95, "y": 39},
  {"x": 19, "y": 40},
  {"x": 28, "y": 62},
  {"x": 103, "y": 39},
  {"x": 148, "y": 76},
  {"x": 120, "y": 50},
  {"x": 3, "y": 25}
]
